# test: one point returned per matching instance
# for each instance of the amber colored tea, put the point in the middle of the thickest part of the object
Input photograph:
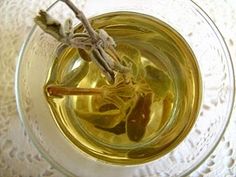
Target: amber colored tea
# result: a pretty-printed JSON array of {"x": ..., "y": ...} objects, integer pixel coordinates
[{"x": 146, "y": 112}]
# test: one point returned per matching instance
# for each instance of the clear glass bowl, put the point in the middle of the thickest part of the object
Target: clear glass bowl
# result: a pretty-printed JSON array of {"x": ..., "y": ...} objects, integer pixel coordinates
[{"x": 217, "y": 95}]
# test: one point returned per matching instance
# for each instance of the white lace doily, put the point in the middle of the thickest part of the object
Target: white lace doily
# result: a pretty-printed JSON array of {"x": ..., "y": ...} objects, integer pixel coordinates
[{"x": 19, "y": 157}]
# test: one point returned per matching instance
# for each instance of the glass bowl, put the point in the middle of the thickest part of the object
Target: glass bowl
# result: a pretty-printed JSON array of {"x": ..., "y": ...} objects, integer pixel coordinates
[{"x": 216, "y": 70}]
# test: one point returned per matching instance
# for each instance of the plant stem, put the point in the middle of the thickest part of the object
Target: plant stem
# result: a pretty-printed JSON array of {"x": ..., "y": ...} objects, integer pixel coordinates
[
  {"x": 80, "y": 15},
  {"x": 54, "y": 90}
]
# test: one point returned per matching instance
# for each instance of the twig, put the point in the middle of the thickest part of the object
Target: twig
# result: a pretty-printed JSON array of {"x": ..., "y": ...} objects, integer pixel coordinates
[
  {"x": 80, "y": 15},
  {"x": 54, "y": 90},
  {"x": 99, "y": 46}
]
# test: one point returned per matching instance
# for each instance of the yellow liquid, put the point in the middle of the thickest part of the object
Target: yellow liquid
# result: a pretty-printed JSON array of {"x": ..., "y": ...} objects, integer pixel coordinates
[{"x": 172, "y": 114}]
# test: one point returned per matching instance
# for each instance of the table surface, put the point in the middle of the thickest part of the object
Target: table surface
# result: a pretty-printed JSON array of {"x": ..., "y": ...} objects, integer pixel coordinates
[{"x": 19, "y": 157}]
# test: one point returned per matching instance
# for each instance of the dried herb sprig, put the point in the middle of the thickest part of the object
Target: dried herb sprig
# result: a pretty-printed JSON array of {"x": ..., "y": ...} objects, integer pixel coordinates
[
  {"x": 124, "y": 106},
  {"x": 97, "y": 44}
]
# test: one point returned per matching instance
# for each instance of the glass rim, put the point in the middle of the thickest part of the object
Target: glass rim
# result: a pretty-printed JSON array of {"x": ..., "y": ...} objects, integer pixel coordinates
[
  {"x": 227, "y": 54},
  {"x": 62, "y": 169}
]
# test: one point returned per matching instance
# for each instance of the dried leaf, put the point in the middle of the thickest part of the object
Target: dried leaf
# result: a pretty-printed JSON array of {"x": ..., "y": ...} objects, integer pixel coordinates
[
  {"x": 158, "y": 80},
  {"x": 107, "y": 119},
  {"x": 108, "y": 40},
  {"x": 68, "y": 26},
  {"x": 138, "y": 118},
  {"x": 49, "y": 25}
]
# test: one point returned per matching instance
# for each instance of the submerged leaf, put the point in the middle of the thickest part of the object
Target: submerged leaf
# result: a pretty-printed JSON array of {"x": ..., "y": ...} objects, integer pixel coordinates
[
  {"x": 107, "y": 107},
  {"x": 122, "y": 32},
  {"x": 107, "y": 119},
  {"x": 167, "y": 45},
  {"x": 121, "y": 90},
  {"x": 167, "y": 106},
  {"x": 76, "y": 75},
  {"x": 84, "y": 55},
  {"x": 138, "y": 117},
  {"x": 131, "y": 55},
  {"x": 158, "y": 80},
  {"x": 129, "y": 51},
  {"x": 135, "y": 68},
  {"x": 118, "y": 129}
]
